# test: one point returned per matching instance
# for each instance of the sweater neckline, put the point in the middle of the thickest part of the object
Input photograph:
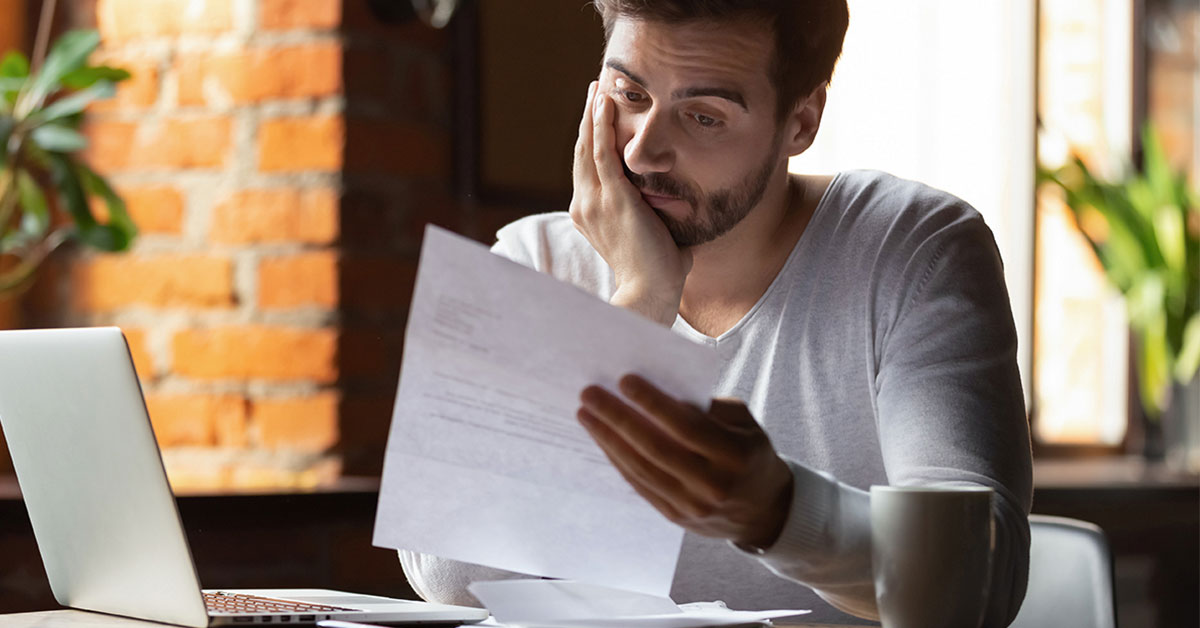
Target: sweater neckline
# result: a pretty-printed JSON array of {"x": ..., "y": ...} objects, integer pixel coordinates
[{"x": 686, "y": 328}]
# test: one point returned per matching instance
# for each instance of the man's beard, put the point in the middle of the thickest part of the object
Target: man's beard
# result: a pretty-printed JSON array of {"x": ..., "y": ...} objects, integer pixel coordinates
[{"x": 726, "y": 208}]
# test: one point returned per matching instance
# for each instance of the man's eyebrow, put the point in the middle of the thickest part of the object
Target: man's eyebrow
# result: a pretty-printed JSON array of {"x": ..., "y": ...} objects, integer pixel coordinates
[
  {"x": 620, "y": 67},
  {"x": 731, "y": 95},
  {"x": 718, "y": 92}
]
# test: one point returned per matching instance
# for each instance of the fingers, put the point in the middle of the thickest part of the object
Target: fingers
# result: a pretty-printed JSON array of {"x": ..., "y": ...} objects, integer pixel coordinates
[
  {"x": 604, "y": 142},
  {"x": 584, "y": 170},
  {"x": 731, "y": 411},
  {"x": 639, "y": 435},
  {"x": 654, "y": 485},
  {"x": 682, "y": 421}
]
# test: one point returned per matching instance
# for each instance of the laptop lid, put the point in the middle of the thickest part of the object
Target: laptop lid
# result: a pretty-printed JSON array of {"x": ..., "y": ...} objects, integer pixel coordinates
[
  {"x": 103, "y": 513},
  {"x": 90, "y": 472}
]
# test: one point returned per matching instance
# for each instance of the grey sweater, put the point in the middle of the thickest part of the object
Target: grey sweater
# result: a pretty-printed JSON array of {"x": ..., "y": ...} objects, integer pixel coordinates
[{"x": 884, "y": 352}]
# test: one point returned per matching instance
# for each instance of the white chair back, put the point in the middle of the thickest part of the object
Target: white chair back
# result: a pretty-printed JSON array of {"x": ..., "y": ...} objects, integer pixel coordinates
[{"x": 1070, "y": 576}]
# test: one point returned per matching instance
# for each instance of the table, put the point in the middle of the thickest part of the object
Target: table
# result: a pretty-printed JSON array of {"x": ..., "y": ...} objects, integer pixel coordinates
[
  {"x": 322, "y": 537},
  {"x": 81, "y": 619}
]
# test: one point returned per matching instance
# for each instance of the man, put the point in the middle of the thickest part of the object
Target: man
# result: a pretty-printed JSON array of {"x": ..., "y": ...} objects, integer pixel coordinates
[{"x": 862, "y": 320}]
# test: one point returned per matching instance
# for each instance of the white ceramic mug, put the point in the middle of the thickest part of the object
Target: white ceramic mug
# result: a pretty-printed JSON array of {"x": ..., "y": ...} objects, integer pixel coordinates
[{"x": 931, "y": 555}]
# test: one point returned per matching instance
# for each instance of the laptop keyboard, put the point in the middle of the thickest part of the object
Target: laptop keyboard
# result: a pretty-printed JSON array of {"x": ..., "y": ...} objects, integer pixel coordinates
[{"x": 218, "y": 602}]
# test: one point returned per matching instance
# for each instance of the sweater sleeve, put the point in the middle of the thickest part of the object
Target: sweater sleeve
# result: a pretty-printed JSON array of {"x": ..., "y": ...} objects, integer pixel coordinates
[
  {"x": 949, "y": 411},
  {"x": 445, "y": 581}
]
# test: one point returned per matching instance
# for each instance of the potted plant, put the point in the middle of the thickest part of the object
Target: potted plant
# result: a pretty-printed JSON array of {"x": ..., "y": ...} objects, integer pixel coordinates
[
  {"x": 1145, "y": 230},
  {"x": 45, "y": 189}
]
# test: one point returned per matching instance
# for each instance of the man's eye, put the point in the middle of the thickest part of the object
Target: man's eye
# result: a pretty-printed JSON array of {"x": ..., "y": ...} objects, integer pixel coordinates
[
  {"x": 633, "y": 96},
  {"x": 707, "y": 122}
]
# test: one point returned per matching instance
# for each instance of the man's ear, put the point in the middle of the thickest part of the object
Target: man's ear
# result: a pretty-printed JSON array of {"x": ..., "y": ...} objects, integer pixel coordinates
[{"x": 800, "y": 128}]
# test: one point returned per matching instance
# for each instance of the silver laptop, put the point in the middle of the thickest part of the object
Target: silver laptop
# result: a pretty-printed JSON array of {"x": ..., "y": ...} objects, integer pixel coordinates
[{"x": 102, "y": 511}]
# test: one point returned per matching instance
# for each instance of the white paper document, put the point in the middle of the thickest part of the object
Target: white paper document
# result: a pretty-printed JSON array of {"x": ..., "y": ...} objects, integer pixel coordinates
[
  {"x": 566, "y": 604},
  {"x": 486, "y": 462}
]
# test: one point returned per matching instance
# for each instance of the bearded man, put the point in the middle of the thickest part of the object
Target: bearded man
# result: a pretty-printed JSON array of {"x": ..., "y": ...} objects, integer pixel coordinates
[{"x": 862, "y": 321}]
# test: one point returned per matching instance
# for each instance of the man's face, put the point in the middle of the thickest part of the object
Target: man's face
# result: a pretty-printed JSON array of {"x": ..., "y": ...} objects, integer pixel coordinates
[{"x": 695, "y": 120}]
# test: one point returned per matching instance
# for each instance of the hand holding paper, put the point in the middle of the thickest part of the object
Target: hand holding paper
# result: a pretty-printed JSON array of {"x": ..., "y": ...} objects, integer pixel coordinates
[
  {"x": 715, "y": 473},
  {"x": 486, "y": 462}
]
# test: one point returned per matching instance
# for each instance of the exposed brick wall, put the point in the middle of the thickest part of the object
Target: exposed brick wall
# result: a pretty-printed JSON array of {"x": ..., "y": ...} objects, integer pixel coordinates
[{"x": 281, "y": 158}]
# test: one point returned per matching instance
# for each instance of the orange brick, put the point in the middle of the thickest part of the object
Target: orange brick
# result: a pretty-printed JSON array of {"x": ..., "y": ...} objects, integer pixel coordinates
[
  {"x": 310, "y": 279},
  {"x": 155, "y": 208},
  {"x": 302, "y": 423},
  {"x": 306, "y": 14},
  {"x": 192, "y": 419},
  {"x": 210, "y": 472},
  {"x": 231, "y": 430},
  {"x": 263, "y": 352},
  {"x": 109, "y": 282},
  {"x": 143, "y": 362},
  {"x": 277, "y": 215},
  {"x": 139, "y": 91},
  {"x": 396, "y": 148},
  {"x": 121, "y": 20},
  {"x": 251, "y": 76},
  {"x": 302, "y": 143},
  {"x": 159, "y": 144},
  {"x": 109, "y": 145},
  {"x": 255, "y": 474}
]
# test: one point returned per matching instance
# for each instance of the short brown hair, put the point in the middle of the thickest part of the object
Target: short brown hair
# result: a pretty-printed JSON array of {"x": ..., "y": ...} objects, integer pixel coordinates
[{"x": 808, "y": 34}]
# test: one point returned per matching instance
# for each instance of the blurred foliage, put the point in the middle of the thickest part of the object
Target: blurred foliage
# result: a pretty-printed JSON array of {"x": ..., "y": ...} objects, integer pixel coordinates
[
  {"x": 44, "y": 187},
  {"x": 1145, "y": 229}
]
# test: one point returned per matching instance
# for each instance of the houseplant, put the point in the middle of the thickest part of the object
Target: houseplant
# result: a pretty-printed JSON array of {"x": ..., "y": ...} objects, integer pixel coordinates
[
  {"x": 1145, "y": 230},
  {"x": 45, "y": 189}
]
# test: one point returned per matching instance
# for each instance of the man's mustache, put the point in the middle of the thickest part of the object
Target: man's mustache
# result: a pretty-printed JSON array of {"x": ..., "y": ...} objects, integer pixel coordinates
[{"x": 659, "y": 185}]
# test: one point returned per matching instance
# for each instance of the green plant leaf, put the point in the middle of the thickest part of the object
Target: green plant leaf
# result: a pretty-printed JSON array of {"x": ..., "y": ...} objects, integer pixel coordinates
[
  {"x": 7, "y": 124},
  {"x": 56, "y": 138},
  {"x": 1154, "y": 367},
  {"x": 1158, "y": 170},
  {"x": 1171, "y": 234},
  {"x": 35, "y": 217},
  {"x": 71, "y": 193},
  {"x": 1142, "y": 198},
  {"x": 1151, "y": 252},
  {"x": 1145, "y": 299},
  {"x": 10, "y": 85},
  {"x": 75, "y": 103},
  {"x": 14, "y": 69},
  {"x": 8, "y": 97},
  {"x": 119, "y": 231},
  {"x": 1188, "y": 362},
  {"x": 14, "y": 65},
  {"x": 69, "y": 53},
  {"x": 72, "y": 182},
  {"x": 89, "y": 75},
  {"x": 1130, "y": 248}
]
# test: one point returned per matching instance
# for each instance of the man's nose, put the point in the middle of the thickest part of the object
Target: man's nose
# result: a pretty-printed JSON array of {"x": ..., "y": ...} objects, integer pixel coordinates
[{"x": 650, "y": 149}]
